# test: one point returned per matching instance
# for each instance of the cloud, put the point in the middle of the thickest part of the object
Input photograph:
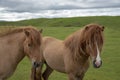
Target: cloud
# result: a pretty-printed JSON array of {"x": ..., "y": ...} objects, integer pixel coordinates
[
  {"x": 15, "y": 16},
  {"x": 36, "y": 6},
  {"x": 12, "y": 10}
]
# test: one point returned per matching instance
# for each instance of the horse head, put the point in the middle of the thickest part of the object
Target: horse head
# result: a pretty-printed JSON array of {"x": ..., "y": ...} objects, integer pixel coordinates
[
  {"x": 94, "y": 41},
  {"x": 32, "y": 45}
]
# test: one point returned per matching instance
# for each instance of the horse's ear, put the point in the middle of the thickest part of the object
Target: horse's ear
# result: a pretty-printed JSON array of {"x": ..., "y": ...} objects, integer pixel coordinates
[
  {"x": 27, "y": 33},
  {"x": 41, "y": 30},
  {"x": 86, "y": 28},
  {"x": 103, "y": 28}
]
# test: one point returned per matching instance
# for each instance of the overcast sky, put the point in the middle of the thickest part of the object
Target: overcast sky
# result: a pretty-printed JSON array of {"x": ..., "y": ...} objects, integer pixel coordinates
[{"x": 12, "y": 10}]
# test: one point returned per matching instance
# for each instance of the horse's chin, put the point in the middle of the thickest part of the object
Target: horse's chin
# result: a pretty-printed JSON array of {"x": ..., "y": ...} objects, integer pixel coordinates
[{"x": 97, "y": 64}]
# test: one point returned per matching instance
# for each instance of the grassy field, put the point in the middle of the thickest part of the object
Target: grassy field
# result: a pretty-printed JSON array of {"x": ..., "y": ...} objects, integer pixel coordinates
[{"x": 61, "y": 28}]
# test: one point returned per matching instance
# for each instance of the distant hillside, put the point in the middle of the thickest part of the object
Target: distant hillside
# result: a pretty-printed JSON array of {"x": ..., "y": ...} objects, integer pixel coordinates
[{"x": 110, "y": 21}]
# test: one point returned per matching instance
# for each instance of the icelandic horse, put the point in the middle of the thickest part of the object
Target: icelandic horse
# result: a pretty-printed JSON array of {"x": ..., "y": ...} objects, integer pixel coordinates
[
  {"x": 71, "y": 56},
  {"x": 15, "y": 44}
]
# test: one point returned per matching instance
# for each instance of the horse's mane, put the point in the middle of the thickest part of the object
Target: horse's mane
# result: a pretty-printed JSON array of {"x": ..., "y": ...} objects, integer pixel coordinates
[
  {"x": 4, "y": 31},
  {"x": 77, "y": 41},
  {"x": 12, "y": 30}
]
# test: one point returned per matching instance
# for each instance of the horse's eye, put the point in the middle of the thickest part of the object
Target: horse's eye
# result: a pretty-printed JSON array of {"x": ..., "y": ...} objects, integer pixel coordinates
[
  {"x": 88, "y": 43},
  {"x": 29, "y": 45}
]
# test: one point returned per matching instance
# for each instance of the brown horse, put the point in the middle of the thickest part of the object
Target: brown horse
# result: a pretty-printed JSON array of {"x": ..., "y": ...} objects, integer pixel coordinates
[
  {"x": 71, "y": 56},
  {"x": 14, "y": 45}
]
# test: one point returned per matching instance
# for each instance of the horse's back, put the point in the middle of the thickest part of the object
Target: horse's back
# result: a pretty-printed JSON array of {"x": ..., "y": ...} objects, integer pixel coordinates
[
  {"x": 50, "y": 42},
  {"x": 49, "y": 39}
]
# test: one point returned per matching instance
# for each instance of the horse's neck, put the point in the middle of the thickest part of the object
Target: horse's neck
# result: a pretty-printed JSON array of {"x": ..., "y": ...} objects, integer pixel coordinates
[
  {"x": 20, "y": 55},
  {"x": 73, "y": 42},
  {"x": 14, "y": 43}
]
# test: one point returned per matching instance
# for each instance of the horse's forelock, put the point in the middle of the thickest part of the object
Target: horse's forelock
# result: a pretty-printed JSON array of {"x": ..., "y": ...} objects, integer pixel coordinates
[
  {"x": 94, "y": 35},
  {"x": 35, "y": 37}
]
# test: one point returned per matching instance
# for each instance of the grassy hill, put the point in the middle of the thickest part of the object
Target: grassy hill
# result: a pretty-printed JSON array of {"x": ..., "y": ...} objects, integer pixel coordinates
[
  {"x": 111, "y": 21},
  {"x": 62, "y": 27}
]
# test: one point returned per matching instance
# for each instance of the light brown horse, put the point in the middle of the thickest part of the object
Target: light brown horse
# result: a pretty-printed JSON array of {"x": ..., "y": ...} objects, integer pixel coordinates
[
  {"x": 71, "y": 56},
  {"x": 14, "y": 45}
]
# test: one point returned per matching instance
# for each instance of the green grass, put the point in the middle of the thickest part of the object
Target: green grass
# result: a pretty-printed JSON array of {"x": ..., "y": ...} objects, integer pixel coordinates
[{"x": 60, "y": 29}]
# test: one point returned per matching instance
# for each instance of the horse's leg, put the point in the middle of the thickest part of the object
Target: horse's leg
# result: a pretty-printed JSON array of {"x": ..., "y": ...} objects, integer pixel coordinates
[
  {"x": 39, "y": 73},
  {"x": 74, "y": 77},
  {"x": 2, "y": 79},
  {"x": 80, "y": 77},
  {"x": 71, "y": 76},
  {"x": 47, "y": 72}
]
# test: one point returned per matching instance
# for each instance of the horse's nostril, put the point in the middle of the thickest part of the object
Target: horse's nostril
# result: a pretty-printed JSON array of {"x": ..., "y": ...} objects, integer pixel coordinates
[
  {"x": 97, "y": 64},
  {"x": 35, "y": 64}
]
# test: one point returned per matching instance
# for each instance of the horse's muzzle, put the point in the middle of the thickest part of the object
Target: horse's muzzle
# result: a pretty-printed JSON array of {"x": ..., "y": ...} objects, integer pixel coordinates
[
  {"x": 97, "y": 64},
  {"x": 36, "y": 64}
]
